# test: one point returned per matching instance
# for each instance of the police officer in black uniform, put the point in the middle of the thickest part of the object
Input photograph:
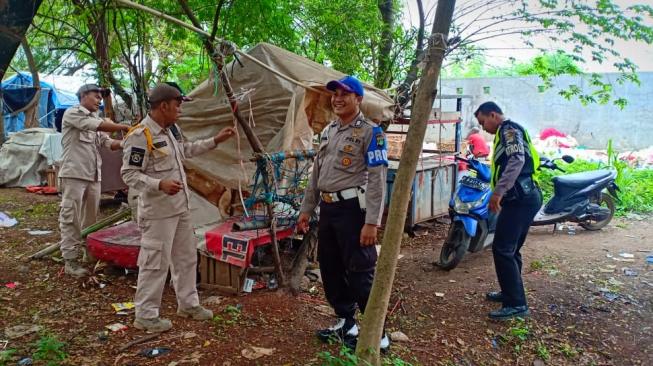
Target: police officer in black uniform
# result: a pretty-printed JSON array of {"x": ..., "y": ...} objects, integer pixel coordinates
[
  {"x": 348, "y": 182},
  {"x": 516, "y": 198}
]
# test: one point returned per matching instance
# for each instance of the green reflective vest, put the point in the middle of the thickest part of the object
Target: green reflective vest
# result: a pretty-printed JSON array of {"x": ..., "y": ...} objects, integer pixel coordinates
[{"x": 500, "y": 160}]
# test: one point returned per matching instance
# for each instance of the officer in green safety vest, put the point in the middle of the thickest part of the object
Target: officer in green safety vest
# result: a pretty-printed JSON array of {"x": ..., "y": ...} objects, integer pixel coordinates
[{"x": 516, "y": 199}]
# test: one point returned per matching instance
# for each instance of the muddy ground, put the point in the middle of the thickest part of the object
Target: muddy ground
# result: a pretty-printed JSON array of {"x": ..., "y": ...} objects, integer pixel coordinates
[{"x": 586, "y": 310}]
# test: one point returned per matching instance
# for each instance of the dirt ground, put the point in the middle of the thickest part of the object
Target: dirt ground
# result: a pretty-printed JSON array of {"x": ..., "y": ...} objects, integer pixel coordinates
[{"x": 585, "y": 309}]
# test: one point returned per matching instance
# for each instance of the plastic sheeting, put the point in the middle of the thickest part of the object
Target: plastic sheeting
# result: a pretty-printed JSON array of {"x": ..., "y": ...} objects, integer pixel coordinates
[
  {"x": 17, "y": 92},
  {"x": 283, "y": 115},
  {"x": 20, "y": 162}
]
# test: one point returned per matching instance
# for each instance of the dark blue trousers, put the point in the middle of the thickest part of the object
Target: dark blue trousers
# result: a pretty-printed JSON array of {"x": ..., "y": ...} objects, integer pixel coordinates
[
  {"x": 513, "y": 223},
  {"x": 346, "y": 267}
]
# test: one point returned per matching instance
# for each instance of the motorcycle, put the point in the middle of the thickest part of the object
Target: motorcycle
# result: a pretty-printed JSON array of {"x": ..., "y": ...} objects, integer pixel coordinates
[{"x": 578, "y": 197}]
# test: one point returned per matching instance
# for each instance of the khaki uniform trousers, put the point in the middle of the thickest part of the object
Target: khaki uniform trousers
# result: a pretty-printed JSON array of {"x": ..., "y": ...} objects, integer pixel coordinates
[
  {"x": 79, "y": 207},
  {"x": 166, "y": 243}
]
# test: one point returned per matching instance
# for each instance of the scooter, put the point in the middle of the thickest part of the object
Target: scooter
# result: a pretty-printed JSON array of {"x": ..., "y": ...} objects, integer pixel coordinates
[
  {"x": 472, "y": 224},
  {"x": 578, "y": 197}
]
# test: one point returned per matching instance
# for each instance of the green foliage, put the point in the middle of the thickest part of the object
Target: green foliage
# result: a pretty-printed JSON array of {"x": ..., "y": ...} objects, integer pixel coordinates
[
  {"x": 346, "y": 357},
  {"x": 542, "y": 351},
  {"x": 50, "y": 350},
  {"x": 567, "y": 350},
  {"x": 636, "y": 185},
  {"x": 6, "y": 356}
]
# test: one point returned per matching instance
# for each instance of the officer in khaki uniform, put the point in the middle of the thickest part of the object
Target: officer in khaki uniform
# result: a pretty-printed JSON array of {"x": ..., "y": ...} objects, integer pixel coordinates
[
  {"x": 80, "y": 172},
  {"x": 153, "y": 165},
  {"x": 348, "y": 182}
]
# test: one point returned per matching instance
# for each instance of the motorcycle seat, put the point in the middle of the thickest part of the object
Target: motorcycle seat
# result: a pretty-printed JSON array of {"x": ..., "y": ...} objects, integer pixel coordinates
[{"x": 583, "y": 179}]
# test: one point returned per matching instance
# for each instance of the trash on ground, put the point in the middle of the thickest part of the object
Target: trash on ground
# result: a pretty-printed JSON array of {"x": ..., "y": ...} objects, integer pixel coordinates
[
  {"x": 439, "y": 294},
  {"x": 399, "y": 337},
  {"x": 6, "y": 220},
  {"x": 25, "y": 362},
  {"x": 116, "y": 327},
  {"x": 155, "y": 352},
  {"x": 629, "y": 272},
  {"x": 21, "y": 330},
  {"x": 247, "y": 286},
  {"x": 608, "y": 295},
  {"x": 122, "y": 308},
  {"x": 12, "y": 285},
  {"x": 253, "y": 353},
  {"x": 103, "y": 335},
  {"x": 626, "y": 255},
  {"x": 39, "y": 232}
]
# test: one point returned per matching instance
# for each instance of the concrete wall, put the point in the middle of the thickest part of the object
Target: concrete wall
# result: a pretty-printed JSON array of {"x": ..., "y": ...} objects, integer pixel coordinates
[{"x": 592, "y": 125}]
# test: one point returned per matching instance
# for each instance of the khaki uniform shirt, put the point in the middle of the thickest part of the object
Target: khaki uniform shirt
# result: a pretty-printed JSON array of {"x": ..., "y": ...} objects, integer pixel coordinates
[
  {"x": 349, "y": 156},
  {"x": 81, "y": 144},
  {"x": 143, "y": 168}
]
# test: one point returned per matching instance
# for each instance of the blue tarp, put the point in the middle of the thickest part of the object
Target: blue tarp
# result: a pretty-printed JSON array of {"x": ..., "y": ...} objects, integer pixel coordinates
[{"x": 17, "y": 92}]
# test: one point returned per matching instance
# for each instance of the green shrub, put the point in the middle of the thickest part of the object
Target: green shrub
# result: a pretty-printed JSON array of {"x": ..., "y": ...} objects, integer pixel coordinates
[{"x": 636, "y": 185}]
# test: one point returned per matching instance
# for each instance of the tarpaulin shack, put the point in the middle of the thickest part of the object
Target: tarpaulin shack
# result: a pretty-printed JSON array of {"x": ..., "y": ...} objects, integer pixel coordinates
[{"x": 283, "y": 115}]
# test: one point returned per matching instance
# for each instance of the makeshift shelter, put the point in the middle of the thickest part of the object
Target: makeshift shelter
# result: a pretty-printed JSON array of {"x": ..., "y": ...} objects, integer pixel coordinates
[
  {"x": 283, "y": 115},
  {"x": 18, "y": 91}
]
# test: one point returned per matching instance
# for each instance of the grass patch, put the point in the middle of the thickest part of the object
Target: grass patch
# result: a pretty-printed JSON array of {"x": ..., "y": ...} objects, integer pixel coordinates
[
  {"x": 542, "y": 351},
  {"x": 50, "y": 350},
  {"x": 567, "y": 350},
  {"x": 347, "y": 357},
  {"x": 37, "y": 211},
  {"x": 6, "y": 357}
]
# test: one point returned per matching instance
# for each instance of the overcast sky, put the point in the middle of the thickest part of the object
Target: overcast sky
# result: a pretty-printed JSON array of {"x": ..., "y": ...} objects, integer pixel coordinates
[{"x": 513, "y": 46}]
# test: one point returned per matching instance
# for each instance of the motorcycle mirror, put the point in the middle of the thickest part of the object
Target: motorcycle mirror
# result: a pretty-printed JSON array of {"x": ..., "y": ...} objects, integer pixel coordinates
[{"x": 568, "y": 159}]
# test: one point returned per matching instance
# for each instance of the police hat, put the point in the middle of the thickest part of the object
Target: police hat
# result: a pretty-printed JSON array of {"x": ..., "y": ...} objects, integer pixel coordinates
[
  {"x": 164, "y": 92},
  {"x": 348, "y": 83},
  {"x": 89, "y": 88}
]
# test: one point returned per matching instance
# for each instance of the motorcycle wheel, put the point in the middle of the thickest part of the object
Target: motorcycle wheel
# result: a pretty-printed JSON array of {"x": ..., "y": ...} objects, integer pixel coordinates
[
  {"x": 605, "y": 200},
  {"x": 454, "y": 247}
]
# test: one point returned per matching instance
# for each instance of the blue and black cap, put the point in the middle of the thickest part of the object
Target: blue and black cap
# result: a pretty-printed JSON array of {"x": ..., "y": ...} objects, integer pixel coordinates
[{"x": 348, "y": 83}]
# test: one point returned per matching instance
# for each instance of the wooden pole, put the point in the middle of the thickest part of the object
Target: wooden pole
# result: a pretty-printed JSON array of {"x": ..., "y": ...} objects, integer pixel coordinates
[
  {"x": 367, "y": 348},
  {"x": 226, "y": 48}
]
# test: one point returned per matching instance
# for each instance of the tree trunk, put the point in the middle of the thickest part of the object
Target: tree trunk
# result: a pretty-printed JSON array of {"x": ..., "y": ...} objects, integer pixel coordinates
[
  {"x": 384, "y": 68},
  {"x": 373, "y": 322},
  {"x": 31, "y": 115},
  {"x": 403, "y": 90}
]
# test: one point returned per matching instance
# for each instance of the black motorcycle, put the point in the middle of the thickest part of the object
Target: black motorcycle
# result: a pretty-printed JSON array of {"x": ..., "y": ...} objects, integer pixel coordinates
[{"x": 586, "y": 198}]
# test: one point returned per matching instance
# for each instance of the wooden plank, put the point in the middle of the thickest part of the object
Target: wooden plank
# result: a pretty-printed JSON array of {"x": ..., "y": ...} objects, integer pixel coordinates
[
  {"x": 204, "y": 183},
  {"x": 223, "y": 274},
  {"x": 224, "y": 289},
  {"x": 204, "y": 270},
  {"x": 235, "y": 272}
]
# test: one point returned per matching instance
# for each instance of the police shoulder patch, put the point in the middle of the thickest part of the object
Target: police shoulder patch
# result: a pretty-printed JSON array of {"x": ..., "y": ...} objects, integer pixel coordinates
[
  {"x": 377, "y": 151},
  {"x": 136, "y": 156}
]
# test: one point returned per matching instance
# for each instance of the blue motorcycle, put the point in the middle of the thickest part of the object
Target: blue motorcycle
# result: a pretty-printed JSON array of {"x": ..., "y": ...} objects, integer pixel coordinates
[
  {"x": 585, "y": 198},
  {"x": 472, "y": 224}
]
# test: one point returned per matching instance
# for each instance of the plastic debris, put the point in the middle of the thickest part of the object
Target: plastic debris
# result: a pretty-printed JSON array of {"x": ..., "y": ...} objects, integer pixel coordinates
[
  {"x": 155, "y": 352},
  {"x": 495, "y": 344},
  {"x": 116, "y": 327},
  {"x": 11, "y": 285},
  {"x": 629, "y": 272},
  {"x": 247, "y": 286},
  {"x": 626, "y": 255},
  {"x": 122, "y": 308},
  {"x": 25, "y": 362},
  {"x": 6, "y": 220},
  {"x": 253, "y": 353},
  {"x": 439, "y": 294},
  {"x": 272, "y": 283},
  {"x": 39, "y": 232}
]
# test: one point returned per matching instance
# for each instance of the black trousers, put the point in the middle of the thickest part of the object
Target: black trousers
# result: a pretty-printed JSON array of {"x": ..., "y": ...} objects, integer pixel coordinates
[
  {"x": 347, "y": 268},
  {"x": 513, "y": 223}
]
